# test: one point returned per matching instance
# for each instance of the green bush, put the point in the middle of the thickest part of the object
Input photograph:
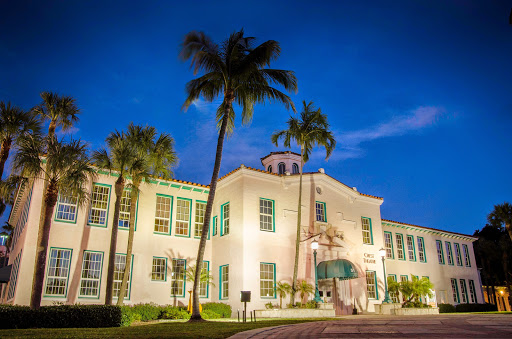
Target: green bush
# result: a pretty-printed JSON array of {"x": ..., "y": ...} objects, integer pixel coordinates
[
  {"x": 446, "y": 308},
  {"x": 310, "y": 304},
  {"x": 61, "y": 316},
  {"x": 171, "y": 312},
  {"x": 415, "y": 304},
  {"x": 147, "y": 312},
  {"x": 209, "y": 314},
  {"x": 476, "y": 308},
  {"x": 220, "y": 308}
]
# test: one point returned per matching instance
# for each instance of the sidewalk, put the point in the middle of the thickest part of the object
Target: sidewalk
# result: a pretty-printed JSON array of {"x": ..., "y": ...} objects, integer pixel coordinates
[{"x": 374, "y": 326}]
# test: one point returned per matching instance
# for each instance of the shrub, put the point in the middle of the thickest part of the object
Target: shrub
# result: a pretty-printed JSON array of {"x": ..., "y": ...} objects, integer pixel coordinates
[
  {"x": 310, "y": 304},
  {"x": 446, "y": 308},
  {"x": 415, "y": 304},
  {"x": 269, "y": 306},
  {"x": 476, "y": 308},
  {"x": 64, "y": 316},
  {"x": 221, "y": 309},
  {"x": 209, "y": 314},
  {"x": 171, "y": 312},
  {"x": 147, "y": 312}
]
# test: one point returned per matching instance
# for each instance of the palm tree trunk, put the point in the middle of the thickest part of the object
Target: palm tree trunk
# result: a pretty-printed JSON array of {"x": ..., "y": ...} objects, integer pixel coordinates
[
  {"x": 508, "y": 227},
  {"x": 51, "y": 128},
  {"x": 4, "y": 154},
  {"x": 297, "y": 239},
  {"x": 42, "y": 246},
  {"x": 119, "y": 188},
  {"x": 196, "y": 315},
  {"x": 129, "y": 248}
]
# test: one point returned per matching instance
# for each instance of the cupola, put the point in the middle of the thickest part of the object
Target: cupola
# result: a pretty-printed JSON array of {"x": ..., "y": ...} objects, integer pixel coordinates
[{"x": 286, "y": 162}]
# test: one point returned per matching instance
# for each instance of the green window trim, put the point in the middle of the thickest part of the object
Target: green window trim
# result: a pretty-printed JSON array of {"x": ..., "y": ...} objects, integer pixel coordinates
[
  {"x": 209, "y": 226},
  {"x": 401, "y": 237},
  {"x": 370, "y": 230},
  {"x": 222, "y": 220},
  {"x": 273, "y": 215},
  {"x": 48, "y": 269},
  {"x": 13, "y": 280},
  {"x": 214, "y": 226},
  {"x": 136, "y": 212},
  {"x": 467, "y": 257},
  {"x": 165, "y": 271},
  {"x": 440, "y": 252},
  {"x": 422, "y": 241},
  {"x": 392, "y": 276},
  {"x": 391, "y": 241},
  {"x": 376, "y": 286},
  {"x": 453, "y": 282},
  {"x": 99, "y": 279},
  {"x": 207, "y": 284},
  {"x": 404, "y": 276},
  {"x": 189, "y": 218},
  {"x": 182, "y": 295},
  {"x": 57, "y": 212},
  {"x": 274, "y": 281},
  {"x": 413, "y": 248},
  {"x": 458, "y": 254},
  {"x": 108, "y": 206},
  {"x": 221, "y": 285},
  {"x": 449, "y": 253},
  {"x": 129, "y": 289},
  {"x": 324, "y": 211},
  {"x": 170, "y": 215}
]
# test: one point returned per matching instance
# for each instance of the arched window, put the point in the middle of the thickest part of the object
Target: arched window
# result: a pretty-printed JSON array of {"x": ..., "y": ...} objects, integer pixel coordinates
[
  {"x": 295, "y": 168},
  {"x": 269, "y": 168},
  {"x": 281, "y": 167}
]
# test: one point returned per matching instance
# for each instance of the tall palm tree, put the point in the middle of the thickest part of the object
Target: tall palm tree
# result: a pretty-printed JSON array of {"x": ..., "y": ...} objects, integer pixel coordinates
[
  {"x": 308, "y": 131},
  {"x": 60, "y": 111},
  {"x": 119, "y": 157},
  {"x": 67, "y": 171},
  {"x": 236, "y": 70},
  {"x": 155, "y": 156},
  {"x": 502, "y": 215}
]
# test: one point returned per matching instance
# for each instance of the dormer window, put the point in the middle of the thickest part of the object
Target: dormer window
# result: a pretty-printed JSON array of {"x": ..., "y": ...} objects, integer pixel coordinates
[
  {"x": 295, "y": 168},
  {"x": 281, "y": 168},
  {"x": 269, "y": 168}
]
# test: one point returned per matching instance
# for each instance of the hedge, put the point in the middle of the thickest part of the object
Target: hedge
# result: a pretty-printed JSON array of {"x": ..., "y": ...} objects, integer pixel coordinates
[
  {"x": 446, "y": 308},
  {"x": 476, "y": 308},
  {"x": 221, "y": 309}
]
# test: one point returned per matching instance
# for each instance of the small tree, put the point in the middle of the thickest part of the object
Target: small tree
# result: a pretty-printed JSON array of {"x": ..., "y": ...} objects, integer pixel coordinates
[
  {"x": 282, "y": 288},
  {"x": 415, "y": 289},
  {"x": 393, "y": 288},
  {"x": 205, "y": 276},
  {"x": 304, "y": 288}
]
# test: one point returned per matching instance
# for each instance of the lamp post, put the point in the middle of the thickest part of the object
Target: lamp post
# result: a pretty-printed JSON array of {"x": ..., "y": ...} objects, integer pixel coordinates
[
  {"x": 382, "y": 253},
  {"x": 314, "y": 246}
]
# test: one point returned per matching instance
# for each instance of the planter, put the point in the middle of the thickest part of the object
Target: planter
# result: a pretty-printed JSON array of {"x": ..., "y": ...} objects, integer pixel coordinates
[
  {"x": 295, "y": 313},
  {"x": 415, "y": 311}
]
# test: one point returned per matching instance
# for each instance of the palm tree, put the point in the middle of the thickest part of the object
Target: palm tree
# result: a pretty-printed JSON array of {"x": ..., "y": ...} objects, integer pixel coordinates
[
  {"x": 304, "y": 288},
  {"x": 155, "y": 156},
  {"x": 205, "y": 276},
  {"x": 60, "y": 111},
  {"x": 308, "y": 131},
  {"x": 67, "y": 171},
  {"x": 502, "y": 215},
  {"x": 236, "y": 70},
  {"x": 14, "y": 124},
  {"x": 282, "y": 288},
  {"x": 119, "y": 156}
]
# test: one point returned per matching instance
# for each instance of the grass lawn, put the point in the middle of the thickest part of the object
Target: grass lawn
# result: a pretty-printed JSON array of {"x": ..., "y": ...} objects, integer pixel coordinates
[{"x": 210, "y": 329}]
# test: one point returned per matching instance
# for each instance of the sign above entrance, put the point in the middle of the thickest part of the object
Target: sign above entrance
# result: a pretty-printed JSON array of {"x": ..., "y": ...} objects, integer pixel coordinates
[{"x": 369, "y": 258}]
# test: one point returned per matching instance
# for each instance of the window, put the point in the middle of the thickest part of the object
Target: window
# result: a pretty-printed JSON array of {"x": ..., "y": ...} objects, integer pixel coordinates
[
  {"x": 388, "y": 245},
  {"x": 183, "y": 211},
  {"x": 224, "y": 211},
  {"x": 467, "y": 260},
  {"x": 178, "y": 277},
  {"x": 99, "y": 205},
  {"x": 269, "y": 168},
  {"x": 267, "y": 280},
  {"x": 66, "y": 208},
  {"x": 421, "y": 249},
  {"x": 404, "y": 278},
  {"x": 124, "y": 210},
  {"x": 367, "y": 230},
  {"x": 394, "y": 296},
  {"x": 204, "y": 286},
  {"x": 119, "y": 266},
  {"x": 224, "y": 282},
  {"x": 458, "y": 254},
  {"x": 159, "y": 269},
  {"x": 449, "y": 253},
  {"x": 58, "y": 272},
  {"x": 22, "y": 220},
  {"x": 410, "y": 248},
  {"x": 91, "y": 274},
  {"x": 14, "y": 277},
  {"x": 215, "y": 225},
  {"x": 455, "y": 290},
  {"x": 472, "y": 291},
  {"x": 463, "y": 291},
  {"x": 163, "y": 214},
  {"x": 281, "y": 168},
  {"x": 400, "y": 246},
  {"x": 371, "y": 285},
  {"x": 199, "y": 218},
  {"x": 295, "y": 168},
  {"x": 440, "y": 254},
  {"x": 320, "y": 211},
  {"x": 266, "y": 215}
]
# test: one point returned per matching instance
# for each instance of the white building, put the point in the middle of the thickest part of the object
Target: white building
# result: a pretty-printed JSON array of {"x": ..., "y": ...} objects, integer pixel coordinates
[{"x": 251, "y": 243}]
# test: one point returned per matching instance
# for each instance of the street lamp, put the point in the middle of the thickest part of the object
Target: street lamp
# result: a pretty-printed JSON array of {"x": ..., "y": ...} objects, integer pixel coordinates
[
  {"x": 314, "y": 246},
  {"x": 382, "y": 253}
]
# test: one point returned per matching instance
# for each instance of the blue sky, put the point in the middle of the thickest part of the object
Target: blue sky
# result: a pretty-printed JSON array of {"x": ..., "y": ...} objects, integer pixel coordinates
[{"x": 417, "y": 93}]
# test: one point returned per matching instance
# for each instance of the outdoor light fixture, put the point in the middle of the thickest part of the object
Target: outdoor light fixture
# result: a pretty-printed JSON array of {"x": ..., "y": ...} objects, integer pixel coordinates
[
  {"x": 382, "y": 253},
  {"x": 314, "y": 246}
]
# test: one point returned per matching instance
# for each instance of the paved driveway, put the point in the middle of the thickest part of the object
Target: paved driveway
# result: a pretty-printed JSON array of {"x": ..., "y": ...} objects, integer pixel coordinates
[{"x": 373, "y": 326}]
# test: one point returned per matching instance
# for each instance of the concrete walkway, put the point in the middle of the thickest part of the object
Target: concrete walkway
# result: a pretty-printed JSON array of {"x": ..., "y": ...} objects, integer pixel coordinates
[{"x": 374, "y": 326}]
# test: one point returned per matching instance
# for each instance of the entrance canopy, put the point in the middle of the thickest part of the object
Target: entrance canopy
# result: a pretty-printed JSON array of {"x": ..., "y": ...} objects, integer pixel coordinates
[{"x": 339, "y": 268}]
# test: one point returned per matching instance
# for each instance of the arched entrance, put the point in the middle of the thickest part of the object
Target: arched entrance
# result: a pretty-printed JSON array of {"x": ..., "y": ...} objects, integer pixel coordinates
[{"x": 333, "y": 282}]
